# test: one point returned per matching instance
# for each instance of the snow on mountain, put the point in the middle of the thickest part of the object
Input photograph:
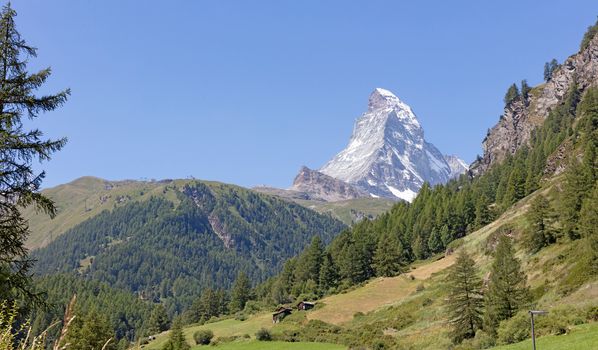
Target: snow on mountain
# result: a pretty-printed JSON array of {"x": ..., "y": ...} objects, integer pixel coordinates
[
  {"x": 457, "y": 165},
  {"x": 387, "y": 155}
]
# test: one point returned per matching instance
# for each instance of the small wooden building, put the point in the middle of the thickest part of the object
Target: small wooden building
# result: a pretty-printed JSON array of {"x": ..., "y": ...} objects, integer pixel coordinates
[
  {"x": 305, "y": 305},
  {"x": 280, "y": 313}
]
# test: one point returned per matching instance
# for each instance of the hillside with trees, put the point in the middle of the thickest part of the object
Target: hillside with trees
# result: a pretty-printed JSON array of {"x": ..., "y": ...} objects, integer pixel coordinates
[{"x": 170, "y": 252}]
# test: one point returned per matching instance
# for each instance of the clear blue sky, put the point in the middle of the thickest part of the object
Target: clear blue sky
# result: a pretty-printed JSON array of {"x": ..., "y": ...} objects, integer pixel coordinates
[{"x": 246, "y": 92}]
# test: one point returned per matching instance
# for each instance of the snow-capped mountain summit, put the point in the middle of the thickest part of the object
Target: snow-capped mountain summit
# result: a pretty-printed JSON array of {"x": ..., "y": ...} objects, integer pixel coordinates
[{"x": 387, "y": 155}]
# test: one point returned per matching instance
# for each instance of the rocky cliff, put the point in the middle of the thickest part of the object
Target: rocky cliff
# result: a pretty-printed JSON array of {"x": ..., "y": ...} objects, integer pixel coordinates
[
  {"x": 522, "y": 115},
  {"x": 320, "y": 186}
]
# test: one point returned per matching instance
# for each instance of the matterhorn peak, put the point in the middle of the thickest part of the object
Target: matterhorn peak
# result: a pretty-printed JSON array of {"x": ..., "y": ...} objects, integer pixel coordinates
[
  {"x": 382, "y": 98},
  {"x": 387, "y": 155}
]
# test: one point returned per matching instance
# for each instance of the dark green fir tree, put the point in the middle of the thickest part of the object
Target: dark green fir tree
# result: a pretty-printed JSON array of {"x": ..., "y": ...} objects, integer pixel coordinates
[{"x": 20, "y": 147}]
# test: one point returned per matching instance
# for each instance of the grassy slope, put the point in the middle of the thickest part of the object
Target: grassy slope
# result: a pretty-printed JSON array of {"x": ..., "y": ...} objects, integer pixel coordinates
[
  {"x": 346, "y": 210},
  {"x": 386, "y": 299},
  {"x": 583, "y": 337},
  {"x": 273, "y": 345},
  {"x": 82, "y": 199}
]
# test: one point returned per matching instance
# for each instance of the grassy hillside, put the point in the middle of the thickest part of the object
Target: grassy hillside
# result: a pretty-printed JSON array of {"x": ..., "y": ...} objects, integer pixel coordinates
[
  {"x": 274, "y": 345},
  {"x": 352, "y": 210},
  {"x": 410, "y": 307},
  {"x": 85, "y": 198},
  {"x": 582, "y": 337}
]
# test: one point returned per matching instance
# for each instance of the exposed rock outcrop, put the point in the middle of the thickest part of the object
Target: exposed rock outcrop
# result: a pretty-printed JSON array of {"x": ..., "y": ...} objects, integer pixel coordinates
[
  {"x": 521, "y": 116},
  {"x": 320, "y": 186}
]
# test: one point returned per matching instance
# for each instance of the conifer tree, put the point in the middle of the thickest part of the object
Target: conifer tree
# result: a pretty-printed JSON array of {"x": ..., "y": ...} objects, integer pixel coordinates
[
  {"x": 240, "y": 293},
  {"x": 158, "y": 321},
  {"x": 515, "y": 186},
  {"x": 446, "y": 235},
  {"x": 483, "y": 215},
  {"x": 589, "y": 229},
  {"x": 507, "y": 291},
  {"x": 525, "y": 89},
  {"x": 435, "y": 242},
  {"x": 420, "y": 247},
  {"x": 547, "y": 74},
  {"x": 91, "y": 331},
  {"x": 388, "y": 256},
  {"x": 540, "y": 233},
  {"x": 281, "y": 290},
  {"x": 176, "y": 340},
  {"x": 512, "y": 94},
  {"x": 354, "y": 263},
  {"x": 310, "y": 262},
  {"x": 20, "y": 147},
  {"x": 578, "y": 183},
  {"x": 328, "y": 274},
  {"x": 465, "y": 301},
  {"x": 223, "y": 301}
]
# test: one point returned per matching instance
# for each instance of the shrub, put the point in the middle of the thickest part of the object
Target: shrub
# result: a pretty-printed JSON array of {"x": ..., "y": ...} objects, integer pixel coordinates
[
  {"x": 482, "y": 340},
  {"x": 227, "y": 339},
  {"x": 592, "y": 314},
  {"x": 263, "y": 335},
  {"x": 453, "y": 245},
  {"x": 203, "y": 337},
  {"x": 515, "y": 329},
  {"x": 402, "y": 320},
  {"x": 358, "y": 314},
  {"x": 251, "y": 307},
  {"x": 559, "y": 319}
]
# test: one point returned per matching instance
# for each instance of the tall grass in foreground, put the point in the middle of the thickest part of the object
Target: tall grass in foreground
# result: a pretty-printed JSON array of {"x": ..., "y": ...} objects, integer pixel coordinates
[{"x": 18, "y": 337}]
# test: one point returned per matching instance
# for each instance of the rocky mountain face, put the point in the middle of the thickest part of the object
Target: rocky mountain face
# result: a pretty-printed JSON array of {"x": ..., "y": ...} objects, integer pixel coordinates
[
  {"x": 457, "y": 165},
  {"x": 320, "y": 186},
  {"x": 522, "y": 115},
  {"x": 387, "y": 155}
]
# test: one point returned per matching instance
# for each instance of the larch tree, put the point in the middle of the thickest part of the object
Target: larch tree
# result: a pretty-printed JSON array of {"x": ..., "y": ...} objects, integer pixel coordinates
[
  {"x": 507, "y": 290},
  {"x": 19, "y": 148},
  {"x": 241, "y": 293},
  {"x": 512, "y": 94},
  {"x": 540, "y": 216},
  {"x": 388, "y": 258},
  {"x": 91, "y": 331},
  {"x": 589, "y": 229},
  {"x": 328, "y": 274},
  {"x": 465, "y": 302},
  {"x": 158, "y": 321},
  {"x": 176, "y": 340}
]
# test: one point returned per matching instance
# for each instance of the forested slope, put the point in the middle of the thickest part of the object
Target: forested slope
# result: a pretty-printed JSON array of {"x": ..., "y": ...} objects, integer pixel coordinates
[{"x": 171, "y": 250}]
